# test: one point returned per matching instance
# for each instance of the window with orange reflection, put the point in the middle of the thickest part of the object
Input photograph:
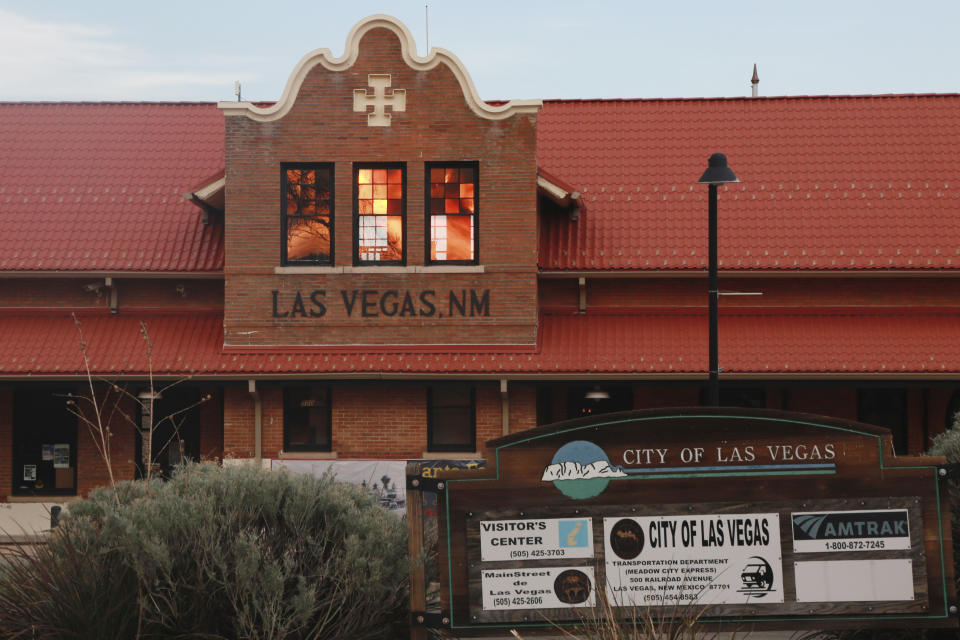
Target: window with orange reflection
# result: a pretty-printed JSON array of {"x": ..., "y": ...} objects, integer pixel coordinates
[
  {"x": 452, "y": 212},
  {"x": 380, "y": 213},
  {"x": 308, "y": 214}
]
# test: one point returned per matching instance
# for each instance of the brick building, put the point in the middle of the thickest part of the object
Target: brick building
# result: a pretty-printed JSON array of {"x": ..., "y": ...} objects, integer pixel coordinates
[{"x": 382, "y": 264}]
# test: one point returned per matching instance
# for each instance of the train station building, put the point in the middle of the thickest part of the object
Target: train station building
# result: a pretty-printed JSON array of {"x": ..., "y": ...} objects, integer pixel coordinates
[{"x": 383, "y": 264}]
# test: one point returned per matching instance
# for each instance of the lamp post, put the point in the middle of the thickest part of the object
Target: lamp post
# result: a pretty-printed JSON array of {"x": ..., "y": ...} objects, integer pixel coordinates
[{"x": 717, "y": 173}]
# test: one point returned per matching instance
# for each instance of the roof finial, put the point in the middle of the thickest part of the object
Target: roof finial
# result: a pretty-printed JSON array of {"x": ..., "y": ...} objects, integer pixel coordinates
[{"x": 755, "y": 81}]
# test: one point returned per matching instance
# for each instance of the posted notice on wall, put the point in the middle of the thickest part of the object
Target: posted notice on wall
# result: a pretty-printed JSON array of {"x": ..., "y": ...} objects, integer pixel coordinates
[
  {"x": 536, "y": 539},
  {"x": 696, "y": 559},
  {"x": 61, "y": 456},
  {"x": 829, "y": 531},
  {"x": 538, "y": 588}
]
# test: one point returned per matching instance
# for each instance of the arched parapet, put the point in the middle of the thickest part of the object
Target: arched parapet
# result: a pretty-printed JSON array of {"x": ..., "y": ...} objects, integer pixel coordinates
[{"x": 325, "y": 58}]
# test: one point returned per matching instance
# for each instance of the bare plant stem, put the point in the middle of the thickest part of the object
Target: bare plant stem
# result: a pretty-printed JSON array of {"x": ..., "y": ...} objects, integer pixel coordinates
[{"x": 99, "y": 431}]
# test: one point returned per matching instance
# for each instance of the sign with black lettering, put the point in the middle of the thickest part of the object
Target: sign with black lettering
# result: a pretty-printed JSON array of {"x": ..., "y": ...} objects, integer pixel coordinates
[
  {"x": 523, "y": 539},
  {"x": 686, "y": 560},
  {"x": 376, "y": 303},
  {"x": 730, "y": 516},
  {"x": 550, "y": 587},
  {"x": 833, "y": 531}
]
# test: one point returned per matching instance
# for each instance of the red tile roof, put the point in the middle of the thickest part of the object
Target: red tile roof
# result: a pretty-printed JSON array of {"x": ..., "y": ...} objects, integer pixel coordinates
[
  {"x": 867, "y": 182},
  {"x": 99, "y": 187},
  {"x": 828, "y": 183},
  {"x": 855, "y": 342}
]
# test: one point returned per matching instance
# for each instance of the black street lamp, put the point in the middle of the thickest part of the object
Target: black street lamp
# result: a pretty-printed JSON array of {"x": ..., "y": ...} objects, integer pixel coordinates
[{"x": 717, "y": 173}]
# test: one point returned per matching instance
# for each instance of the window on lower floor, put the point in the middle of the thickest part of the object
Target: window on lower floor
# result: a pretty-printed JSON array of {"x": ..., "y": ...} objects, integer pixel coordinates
[
  {"x": 306, "y": 419},
  {"x": 380, "y": 208},
  {"x": 452, "y": 213},
  {"x": 307, "y": 214},
  {"x": 953, "y": 411},
  {"x": 451, "y": 418},
  {"x": 44, "y": 443}
]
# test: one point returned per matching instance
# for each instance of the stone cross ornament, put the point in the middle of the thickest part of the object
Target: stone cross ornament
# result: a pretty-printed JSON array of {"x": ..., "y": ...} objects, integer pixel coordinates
[{"x": 379, "y": 82}]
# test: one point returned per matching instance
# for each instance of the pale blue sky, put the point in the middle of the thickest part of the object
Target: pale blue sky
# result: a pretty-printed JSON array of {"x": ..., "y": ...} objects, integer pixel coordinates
[{"x": 180, "y": 50}]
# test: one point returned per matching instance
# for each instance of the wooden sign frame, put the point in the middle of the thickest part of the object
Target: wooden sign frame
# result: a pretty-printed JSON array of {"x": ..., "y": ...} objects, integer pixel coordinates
[{"x": 736, "y": 489}]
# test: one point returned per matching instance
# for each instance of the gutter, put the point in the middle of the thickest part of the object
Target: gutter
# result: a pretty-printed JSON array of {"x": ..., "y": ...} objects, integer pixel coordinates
[
  {"x": 145, "y": 275},
  {"x": 759, "y": 273}
]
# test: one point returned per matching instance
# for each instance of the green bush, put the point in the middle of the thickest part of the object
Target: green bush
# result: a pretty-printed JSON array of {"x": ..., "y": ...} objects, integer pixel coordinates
[
  {"x": 947, "y": 444},
  {"x": 214, "y": 553}
]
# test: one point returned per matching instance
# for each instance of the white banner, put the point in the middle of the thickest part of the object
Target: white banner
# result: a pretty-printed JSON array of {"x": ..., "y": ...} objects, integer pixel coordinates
[
  {"x": 696, "y": 559},
  {"x": 536, "y": 539},
  {"x": 538, "y": 588},
  {"x": 385, "y": 479},
  {"x": 854, "y": 580}
]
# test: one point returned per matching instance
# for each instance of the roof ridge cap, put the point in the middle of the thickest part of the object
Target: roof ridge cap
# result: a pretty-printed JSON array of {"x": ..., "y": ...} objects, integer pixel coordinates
[{"x": 862, "y": 96}]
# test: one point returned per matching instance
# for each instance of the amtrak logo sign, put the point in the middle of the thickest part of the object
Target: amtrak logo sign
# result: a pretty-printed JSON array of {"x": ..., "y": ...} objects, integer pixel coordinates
[{"x": 851, "y": 531}]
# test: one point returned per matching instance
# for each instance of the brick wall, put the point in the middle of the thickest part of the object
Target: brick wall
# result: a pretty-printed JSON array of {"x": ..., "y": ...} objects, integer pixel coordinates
[
  {"x": 436, "y": 126},
  {"x": 370, "y": 420},
  {"x": 271, "y": 398},
  {"x": 380, "y": 421},
  {"x": 91, "y": 464},
  {"x": 489, "y": 416},
  {"x": 238, "y": 422},
  {"x": 523, "y": 407},
  {"x": 211, "y": 425}
]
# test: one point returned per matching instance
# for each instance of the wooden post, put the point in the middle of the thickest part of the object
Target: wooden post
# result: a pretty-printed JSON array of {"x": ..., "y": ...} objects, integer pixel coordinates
[{"x": 418, "y": 585}]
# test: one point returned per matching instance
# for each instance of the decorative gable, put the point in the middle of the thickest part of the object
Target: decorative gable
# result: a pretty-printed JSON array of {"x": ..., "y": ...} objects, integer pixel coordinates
[
  {"x": 325, "y": 58},
  {"x": 380, "y": 201}
]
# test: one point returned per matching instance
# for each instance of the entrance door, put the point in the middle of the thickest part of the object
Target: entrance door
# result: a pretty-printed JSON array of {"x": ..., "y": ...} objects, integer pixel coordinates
[
  {"x": 44, "y": 443},
  {"x": 176, "y": 430}
]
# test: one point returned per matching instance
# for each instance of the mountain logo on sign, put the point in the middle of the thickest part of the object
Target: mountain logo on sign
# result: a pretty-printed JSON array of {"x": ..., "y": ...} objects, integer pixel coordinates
[{"x": 580, "y": 470}]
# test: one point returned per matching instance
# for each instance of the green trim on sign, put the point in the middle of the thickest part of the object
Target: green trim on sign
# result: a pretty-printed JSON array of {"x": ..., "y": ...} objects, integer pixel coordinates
[
  {"x": 731, "y": 474},
  {"x": 793, "y": 618},
  {"x": 708, "y": 416}
]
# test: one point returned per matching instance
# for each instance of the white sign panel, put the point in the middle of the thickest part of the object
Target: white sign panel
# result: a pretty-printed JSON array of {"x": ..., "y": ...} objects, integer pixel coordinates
[
  {"x": 538, "y": 588},
  {"x": 854, "y": 580},
  {"x": 536, "y": 539},
  {"x": 696, "y": 559},
  {"x": 828, "y": 531},
  {"x": 386, "y": 480}
]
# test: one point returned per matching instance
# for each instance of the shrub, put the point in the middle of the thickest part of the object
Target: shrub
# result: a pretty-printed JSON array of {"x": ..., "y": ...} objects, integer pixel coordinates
[
  {"x": 214, "y": 553},
  {"x": 947, "y": 444}
]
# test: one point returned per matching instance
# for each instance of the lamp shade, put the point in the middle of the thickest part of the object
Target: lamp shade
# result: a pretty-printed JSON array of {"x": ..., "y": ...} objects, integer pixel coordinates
[
  {"x": 597, "y": 394},
  {"x": 717, "y": 171}
]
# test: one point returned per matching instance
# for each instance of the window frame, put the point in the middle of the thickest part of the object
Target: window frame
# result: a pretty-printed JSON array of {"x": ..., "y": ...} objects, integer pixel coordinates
[
  {"x": 433, "y": 447},
  {"x": 328, "y": 392},
  {"x": 428, "y": 228},
  {"x": 357, "y": 262},
  {"x": 284, "y": 167}
]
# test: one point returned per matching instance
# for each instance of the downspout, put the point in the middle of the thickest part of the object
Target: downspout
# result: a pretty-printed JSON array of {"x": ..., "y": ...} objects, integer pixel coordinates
[
  {"x": 504, "y": 407},
  {"x": 257, "y": 422}
]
